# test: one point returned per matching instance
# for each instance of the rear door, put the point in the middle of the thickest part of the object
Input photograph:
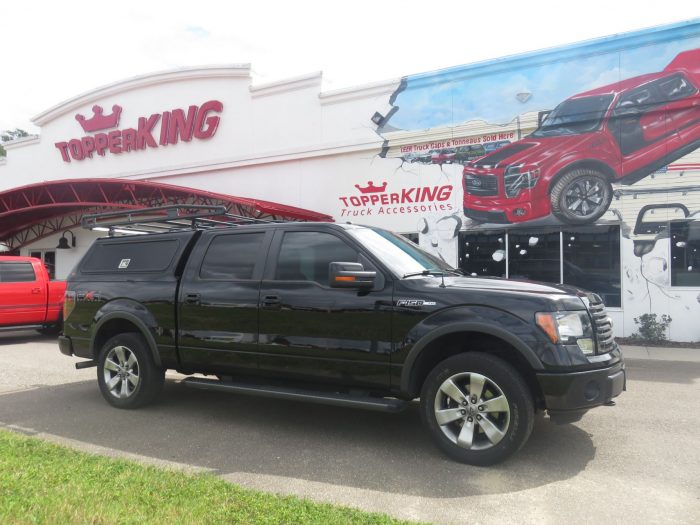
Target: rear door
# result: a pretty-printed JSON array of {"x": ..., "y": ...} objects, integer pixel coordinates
[
  {"x": 22, "y": 294},
  {"x": 218, "y": 301},
  {"x": 313, "y": 332}
]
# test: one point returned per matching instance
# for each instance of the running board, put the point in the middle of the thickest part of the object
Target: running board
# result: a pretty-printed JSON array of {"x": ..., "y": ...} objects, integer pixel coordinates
[
  {"x": 378, "y": 404},
  {"x": 20, "y": 328}
]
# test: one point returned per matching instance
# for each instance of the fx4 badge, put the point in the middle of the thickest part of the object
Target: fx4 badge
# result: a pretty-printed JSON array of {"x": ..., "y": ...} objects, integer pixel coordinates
[{"x": 414, "y": 302}]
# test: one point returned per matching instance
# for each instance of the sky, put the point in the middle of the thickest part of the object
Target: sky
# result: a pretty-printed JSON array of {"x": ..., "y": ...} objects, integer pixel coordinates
[
  {"x": 455, "y": 96},
  {"x": 52, "y": 51}
]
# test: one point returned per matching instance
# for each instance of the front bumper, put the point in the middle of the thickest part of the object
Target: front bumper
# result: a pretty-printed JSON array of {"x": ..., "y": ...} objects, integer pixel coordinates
[{"x": 569, "y": 395}]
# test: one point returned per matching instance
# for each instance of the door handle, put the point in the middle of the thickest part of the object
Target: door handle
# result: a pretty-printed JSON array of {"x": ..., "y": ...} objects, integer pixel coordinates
[
  {"x": 192, "y": 298},
  {"x": 36, "y": 290},
  {"x": 271, "y": 301}
]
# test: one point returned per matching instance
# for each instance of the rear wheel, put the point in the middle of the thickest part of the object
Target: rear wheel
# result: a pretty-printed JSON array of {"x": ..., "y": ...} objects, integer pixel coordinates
[
  {"x": 581, "y": 196},
  {"x": 477, "y": 408},
  {"x": 126, "y": 373}
]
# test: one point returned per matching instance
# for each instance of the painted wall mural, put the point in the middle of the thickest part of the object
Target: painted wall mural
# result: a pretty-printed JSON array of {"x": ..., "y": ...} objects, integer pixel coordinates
[{"x": 553, "y": 154}]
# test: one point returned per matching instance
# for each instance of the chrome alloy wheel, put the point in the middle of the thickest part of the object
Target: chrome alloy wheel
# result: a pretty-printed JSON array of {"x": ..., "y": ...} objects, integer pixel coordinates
[
  {"x": 585, "y": 196},
  {"x": 472, "y": 411},
  {"x": 121, "y": 372}
]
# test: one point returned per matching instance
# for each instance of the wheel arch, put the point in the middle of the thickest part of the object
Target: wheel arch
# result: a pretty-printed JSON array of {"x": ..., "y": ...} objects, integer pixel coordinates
[
  {"x": 591, "y": 164},
  {"x": 115, "y": 323},
  {"x": 458, "y": 338}
]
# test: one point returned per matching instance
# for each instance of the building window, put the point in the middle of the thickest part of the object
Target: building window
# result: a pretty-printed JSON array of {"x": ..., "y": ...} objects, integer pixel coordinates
[
  {"x": 592, "y": 261},
  {"x": 587, "y": 257},
  {"x": 49, "y": 258},
  {"x": 534, "y": 255},
  {"x": 483, "y": 253},
  {"x": 685, "y": 253}
]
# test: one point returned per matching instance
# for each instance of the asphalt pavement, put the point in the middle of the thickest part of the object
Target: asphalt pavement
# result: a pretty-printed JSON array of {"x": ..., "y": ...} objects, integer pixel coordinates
[{"x": 636, "y": 462}]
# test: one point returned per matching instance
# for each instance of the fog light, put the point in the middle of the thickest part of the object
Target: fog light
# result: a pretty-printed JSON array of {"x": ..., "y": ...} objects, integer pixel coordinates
[
  {"x": 519, "y": 212},
  {"x": 591, "y": 391}
]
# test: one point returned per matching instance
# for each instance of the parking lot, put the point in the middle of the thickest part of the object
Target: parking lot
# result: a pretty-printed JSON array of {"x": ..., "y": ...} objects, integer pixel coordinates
[{"x": 635, "y": 462}]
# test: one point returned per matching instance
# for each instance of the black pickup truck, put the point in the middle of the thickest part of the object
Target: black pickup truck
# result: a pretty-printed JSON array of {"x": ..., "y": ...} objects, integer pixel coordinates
[{"x": 341, "y": 314}]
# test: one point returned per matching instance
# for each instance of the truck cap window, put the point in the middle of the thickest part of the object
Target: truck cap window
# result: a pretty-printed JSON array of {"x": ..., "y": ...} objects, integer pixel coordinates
[{"x": 142, "y": 256}]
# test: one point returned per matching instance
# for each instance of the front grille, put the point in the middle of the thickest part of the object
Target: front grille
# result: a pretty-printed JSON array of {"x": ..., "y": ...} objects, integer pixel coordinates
[
  {"x": 601, "y": 324},
  {"x": 481, "y": 185}
]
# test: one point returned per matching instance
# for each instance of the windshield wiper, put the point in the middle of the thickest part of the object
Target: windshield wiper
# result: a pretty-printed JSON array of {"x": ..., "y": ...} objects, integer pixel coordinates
[{"x": 433, "y": 271}]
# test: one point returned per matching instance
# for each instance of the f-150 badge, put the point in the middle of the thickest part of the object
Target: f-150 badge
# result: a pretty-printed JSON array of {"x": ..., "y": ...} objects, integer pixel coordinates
[{"x": 414, "y": 302}]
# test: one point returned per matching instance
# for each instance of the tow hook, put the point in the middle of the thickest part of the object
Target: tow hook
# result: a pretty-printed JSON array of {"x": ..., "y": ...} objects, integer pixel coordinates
[{"x": 85, "y": 364}]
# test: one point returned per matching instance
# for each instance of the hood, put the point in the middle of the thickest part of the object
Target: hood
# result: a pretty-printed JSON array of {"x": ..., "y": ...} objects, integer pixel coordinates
[
  {"x": 497, "y": 284},
  {"x": 497, "y": 293},
  {"x": 535, "y": 150}
]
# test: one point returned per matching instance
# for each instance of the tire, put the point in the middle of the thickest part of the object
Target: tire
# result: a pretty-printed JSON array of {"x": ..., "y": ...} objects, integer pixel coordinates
[
  {"x": 580, "y": 196},
  {"x": 496, "y": 433},
  {"x": 126, "y": 373}
]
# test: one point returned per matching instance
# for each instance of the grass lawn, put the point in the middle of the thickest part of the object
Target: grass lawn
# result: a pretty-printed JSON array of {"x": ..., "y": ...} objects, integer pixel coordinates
[{"x": 45, "y": 483}]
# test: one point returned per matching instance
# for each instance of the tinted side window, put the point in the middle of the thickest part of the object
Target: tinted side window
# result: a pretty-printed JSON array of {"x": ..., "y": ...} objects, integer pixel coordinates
[
  {"x": 305, "y": 256},
  {"x": 16, "y": 272},
  {"x": 141, "y": 256},
  {"x": 675, "y": 87},
  {"x": 232, "y": 256}
]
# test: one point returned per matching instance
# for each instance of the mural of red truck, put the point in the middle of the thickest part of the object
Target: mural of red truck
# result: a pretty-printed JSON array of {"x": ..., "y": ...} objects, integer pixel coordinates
[{"x": 617, "y": 133}]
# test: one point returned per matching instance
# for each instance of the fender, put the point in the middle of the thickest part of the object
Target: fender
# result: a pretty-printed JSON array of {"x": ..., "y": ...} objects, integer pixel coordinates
[
  {"x": 572, "y": 162},
  {"x": 484, "y": 328},
  {"x": 138, "y": 322}
]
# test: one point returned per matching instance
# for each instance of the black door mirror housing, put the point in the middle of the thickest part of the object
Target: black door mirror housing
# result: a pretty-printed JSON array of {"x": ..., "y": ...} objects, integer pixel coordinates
[{"x": 350, "y": 275}]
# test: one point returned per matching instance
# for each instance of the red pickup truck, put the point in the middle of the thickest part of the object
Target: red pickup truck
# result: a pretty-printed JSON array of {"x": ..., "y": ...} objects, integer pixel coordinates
[
  {"x": 620, "y": 133},
  {"x": 28, "y": 299}
]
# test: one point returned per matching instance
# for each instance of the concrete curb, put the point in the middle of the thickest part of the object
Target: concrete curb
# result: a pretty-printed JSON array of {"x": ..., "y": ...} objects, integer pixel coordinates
[{"x": 656, "y": 353}]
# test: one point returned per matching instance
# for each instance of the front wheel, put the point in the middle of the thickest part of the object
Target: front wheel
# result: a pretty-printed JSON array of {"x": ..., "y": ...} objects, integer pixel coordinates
[
  {"x": 581, "y": 196},
  {"x": 477, "y": 408},
  {"x": 126, "y": 373}
]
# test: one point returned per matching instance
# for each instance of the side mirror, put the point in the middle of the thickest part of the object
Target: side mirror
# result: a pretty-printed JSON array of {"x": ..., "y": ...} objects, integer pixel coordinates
[{"x": 350, "y": 275}]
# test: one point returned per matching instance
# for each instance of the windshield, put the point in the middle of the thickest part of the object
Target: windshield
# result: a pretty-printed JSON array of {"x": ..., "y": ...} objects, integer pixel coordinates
[
  {"x": 398, "y": 254},
  {"x": 575, "y": 115}
]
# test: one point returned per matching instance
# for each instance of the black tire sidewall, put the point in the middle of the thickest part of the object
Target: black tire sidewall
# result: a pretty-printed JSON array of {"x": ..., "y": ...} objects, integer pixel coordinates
[
  {"x": 151, "y": 378},
  {"x": 558, "y": 196},
  {"x": 514, "y": 388}
]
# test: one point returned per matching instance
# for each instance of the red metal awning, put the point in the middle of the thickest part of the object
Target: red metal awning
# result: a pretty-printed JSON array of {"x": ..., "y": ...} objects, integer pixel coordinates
[{"x": 30, "y": 213}]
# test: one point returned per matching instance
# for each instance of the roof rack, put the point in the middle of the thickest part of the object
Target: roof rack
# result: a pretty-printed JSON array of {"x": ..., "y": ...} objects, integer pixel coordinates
[{"x": 161, "y": 219}]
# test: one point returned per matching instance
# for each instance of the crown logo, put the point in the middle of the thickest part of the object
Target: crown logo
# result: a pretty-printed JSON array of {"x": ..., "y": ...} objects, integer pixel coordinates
[
  {"x": 371, "y": 188},
  {"x": 100, "y": 121}
]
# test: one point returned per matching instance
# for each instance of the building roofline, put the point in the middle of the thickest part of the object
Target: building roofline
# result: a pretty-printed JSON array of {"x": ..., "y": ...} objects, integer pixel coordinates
[{"x": 150, "y": 79}]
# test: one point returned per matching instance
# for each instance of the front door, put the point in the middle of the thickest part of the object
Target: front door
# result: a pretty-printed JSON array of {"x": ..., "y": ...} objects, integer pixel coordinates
[
  {"x": 22, "y": 296},
  {"x": 313, "y": 332}
]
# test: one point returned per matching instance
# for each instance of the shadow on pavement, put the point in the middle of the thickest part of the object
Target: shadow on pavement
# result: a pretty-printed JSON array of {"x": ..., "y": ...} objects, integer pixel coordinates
[
  {"x": 677, "y": 372},
  {"x": 234, "y": 433},
  {"x": 25, "y": 337}
]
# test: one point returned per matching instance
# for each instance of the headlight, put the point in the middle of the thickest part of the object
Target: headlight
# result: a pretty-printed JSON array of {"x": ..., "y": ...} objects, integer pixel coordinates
[
  {"x": 518, "y": 178},
  {"x": 568, "y": 328}
]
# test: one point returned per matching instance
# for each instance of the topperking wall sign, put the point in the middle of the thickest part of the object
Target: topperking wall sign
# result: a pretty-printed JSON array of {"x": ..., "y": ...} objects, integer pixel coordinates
[{"x": 160, "y": 129}]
